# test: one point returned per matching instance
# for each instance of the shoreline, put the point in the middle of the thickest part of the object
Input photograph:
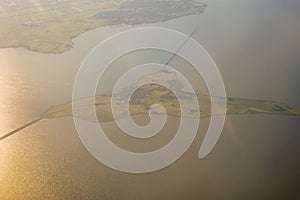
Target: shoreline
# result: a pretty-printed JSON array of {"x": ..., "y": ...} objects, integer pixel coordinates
[
  {"x": 83, "y": 32},
  {"x": 58, "y": 37}
]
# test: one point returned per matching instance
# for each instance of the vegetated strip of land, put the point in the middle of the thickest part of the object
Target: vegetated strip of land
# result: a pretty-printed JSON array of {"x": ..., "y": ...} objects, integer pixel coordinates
[{"x": 151, "y": 94}]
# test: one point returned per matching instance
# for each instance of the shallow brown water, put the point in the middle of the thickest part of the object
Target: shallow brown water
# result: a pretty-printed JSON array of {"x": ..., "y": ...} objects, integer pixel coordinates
[{"x": 256, "y": 46}]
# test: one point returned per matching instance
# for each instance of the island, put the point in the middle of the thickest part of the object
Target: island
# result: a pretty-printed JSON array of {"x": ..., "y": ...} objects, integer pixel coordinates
[
  {"x": 49, "y": 26},
  {"x": 147, "y": 96},
  {"x": 150, "y": 94}
]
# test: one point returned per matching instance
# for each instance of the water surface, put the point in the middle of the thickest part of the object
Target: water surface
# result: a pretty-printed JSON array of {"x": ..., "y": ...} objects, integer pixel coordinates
[{"x": 256, "y": 46}]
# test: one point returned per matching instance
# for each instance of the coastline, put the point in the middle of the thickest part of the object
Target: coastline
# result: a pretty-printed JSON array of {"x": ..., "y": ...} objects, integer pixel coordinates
[{"x": 57, "y": 37}]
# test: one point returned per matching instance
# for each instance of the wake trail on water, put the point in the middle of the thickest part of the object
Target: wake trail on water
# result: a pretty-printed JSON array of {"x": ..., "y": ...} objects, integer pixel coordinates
[{"x": 20, "y": 128}]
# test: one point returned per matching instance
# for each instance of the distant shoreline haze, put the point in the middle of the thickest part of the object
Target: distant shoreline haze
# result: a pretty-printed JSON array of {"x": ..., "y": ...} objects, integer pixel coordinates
[{"x": 50, "y": 27}]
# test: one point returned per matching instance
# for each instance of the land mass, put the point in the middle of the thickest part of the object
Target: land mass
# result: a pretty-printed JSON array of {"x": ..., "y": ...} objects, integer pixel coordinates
[
  {"x": 156, "y": 94},
  {"x": 49, "y": 26},
  {"x": 144, "y": 97}
]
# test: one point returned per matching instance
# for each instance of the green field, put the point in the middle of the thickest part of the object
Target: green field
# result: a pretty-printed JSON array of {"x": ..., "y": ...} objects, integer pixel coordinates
[
  {"x": 150, "y": 94},
  {"x": 49, "y": 26},
  {"x": 143, "y": 99},
  {"x": 141, "y": 106}
]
